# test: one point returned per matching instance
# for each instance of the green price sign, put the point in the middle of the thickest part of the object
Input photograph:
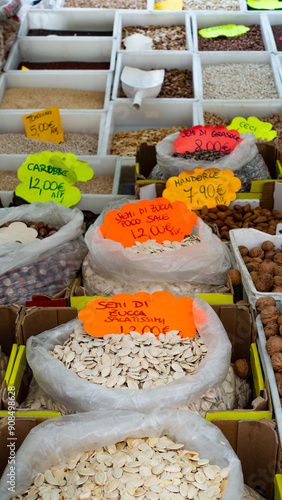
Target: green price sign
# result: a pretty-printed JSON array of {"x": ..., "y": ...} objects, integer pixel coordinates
[{"x": 227, "y": 30}]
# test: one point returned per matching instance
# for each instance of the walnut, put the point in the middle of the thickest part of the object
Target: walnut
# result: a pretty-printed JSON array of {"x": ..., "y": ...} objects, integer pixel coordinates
[
  {"x": 277, "y": 289},
  {"x": 267, "y": 246},
  {"x": 256, "y": 252},
  {"x": 266, "y": 267},
  {"x": 271, "y": 329},
  {"x": 279, "y": 320},
  {"x": 277, "y": 271},
  {"x": 277, "y": 281},
  {"x": 264, "y": 282},
  {"x": 264, "y": 302},
  {"x": 269, "y": 255},
  {"x": 254, "y": 276},
  {"x": 242, "y": 368},
  {"x": 247, "y": 259},
  {"x": 243, "y": 250},
  {"x": 274, "y": 344},
  {"x": 278, "y": 258},
  {"x": 252, "y": 266},
  {"x": 276, "y": 361},
  {"x": 235, "y": 277},
  {"x": 278, "y": 377},
  {"x": 242, "y": 303},
  {"x": 269, "y": 314}
]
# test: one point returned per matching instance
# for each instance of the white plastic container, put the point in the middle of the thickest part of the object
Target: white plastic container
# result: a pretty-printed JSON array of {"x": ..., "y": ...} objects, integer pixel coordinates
[
  {"x": 251, "y": 238},
  {"x": 207, "y": 20},
  {"x": 233, "y": 108},
  {"x": 99, "y": 82},
  {"x": 273, "y": 18},
  {"x": 269, "y": 373},
  {"x": 157, "y": 18},
  {"x": 115, "y": 166},
  {"x": 239, "y": 58},
  {"x": 82, "y": 123},
  {"x": 122, "y": 116},
  {"x": 154, "y": 60},
  {"x": 69, "y": 19},
  {"x": 79, "y": 49},
  {"x": 150, "y": 6}
]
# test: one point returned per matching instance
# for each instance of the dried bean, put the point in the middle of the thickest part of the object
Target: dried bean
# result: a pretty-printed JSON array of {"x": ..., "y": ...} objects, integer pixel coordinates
[{"x": 126, "y": 143}]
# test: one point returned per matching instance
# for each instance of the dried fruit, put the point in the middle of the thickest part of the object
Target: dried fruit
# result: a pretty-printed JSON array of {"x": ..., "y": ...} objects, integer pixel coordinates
[
  {"x": 269, "y": 314},
  {"x": 273, "y": 345},
  {"x": 264, "y": 302},
  {"x": 264, "y": 282},
  {"x": 242, "y": 368}
]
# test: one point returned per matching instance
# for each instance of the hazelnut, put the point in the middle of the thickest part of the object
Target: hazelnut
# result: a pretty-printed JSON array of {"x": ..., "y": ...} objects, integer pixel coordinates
[
  {"x": 263, "y": 302},
  {"x": 276, "y": 361},
  {"x": 243, "y": 250},
  {"x": 269, "y": 314},
  {"x": 266, "y": 267},
  {"x": 235, "y": 277},
  {"x": 254, "y": 276},
  {"x": 256, "y": 252},
  {"x": 242, "y": 368},
  {"x": 274, "y": 344},
  {"x": 267, "y": 246},
  {"x": 271, "y": 329},
  {"x": 264, "y": 282}
]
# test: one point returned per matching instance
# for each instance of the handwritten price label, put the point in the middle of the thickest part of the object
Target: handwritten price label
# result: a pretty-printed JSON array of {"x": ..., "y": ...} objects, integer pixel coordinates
[
  {"x": 157, "y": 220},
  {"x": 207, "y": 138},
  {"x": 44, "y": 179},
  {"x": 169, "y": 5},
  {"x": 261, "y": 130},
  {"x": 44, "y": 125},
  {"x": 228, "y": 30},
  {"x": 201, "y": 187},
  {"x": 264, "y": 4},
  {"x": 159, "y": 312}
]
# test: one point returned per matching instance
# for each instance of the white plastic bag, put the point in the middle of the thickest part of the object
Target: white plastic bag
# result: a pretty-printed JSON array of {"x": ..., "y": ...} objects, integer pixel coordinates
[
  {"x": 169, "y": 166},
  {"x": 66, "y": 387},
  {"x": 205, "y": 262},
  {"x": 43, "y": 265},
  {"x": 59, "y": 440}
]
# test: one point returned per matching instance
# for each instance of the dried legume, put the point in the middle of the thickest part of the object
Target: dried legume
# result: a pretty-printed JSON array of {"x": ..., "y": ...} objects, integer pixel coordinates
[
  {"x": 78, "y": 144},
  {"x": 164, "y": 37},
  {"x": 211, "y": 5},
  {"x": 107, "y": 4},
  {"x": 126, "y": 143}
]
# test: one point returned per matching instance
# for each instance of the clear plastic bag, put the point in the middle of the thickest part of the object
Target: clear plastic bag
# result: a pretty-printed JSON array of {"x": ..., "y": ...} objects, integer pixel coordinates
[
  {"x": 46, "y": 265},
  {"x": 170, "y": 166},
  {"x": 59, "y": 440},
  {"x": 250, "y": 494},
  {"x": 205, "y": 262},
  {"x": 66, "y": 387},
  {"x": 38, "y": 400}
]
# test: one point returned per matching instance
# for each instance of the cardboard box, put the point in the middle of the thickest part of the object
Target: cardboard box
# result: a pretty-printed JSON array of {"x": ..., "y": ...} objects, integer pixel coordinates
[{"x": 256, "y": 444}]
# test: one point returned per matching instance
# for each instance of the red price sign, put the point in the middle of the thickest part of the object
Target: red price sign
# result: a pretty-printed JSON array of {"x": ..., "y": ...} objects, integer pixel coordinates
[
  {"x": 207, "y": 138},
  {"x": 158, "y": 220},
  {"x": 159, "y": 312}
]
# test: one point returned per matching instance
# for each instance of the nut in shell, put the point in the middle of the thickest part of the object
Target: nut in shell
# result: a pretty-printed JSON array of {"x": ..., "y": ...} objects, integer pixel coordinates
[
  {"x": 264, "y": 302},
  {"x": 274, "y": 344},
  {"x": 276, "y": 361},
  {"x": 264, "y": 282},
  {"x": 242, "y": 368},
  {"x": 271, "y": 329},
  {"x": 269, "y": 314}
]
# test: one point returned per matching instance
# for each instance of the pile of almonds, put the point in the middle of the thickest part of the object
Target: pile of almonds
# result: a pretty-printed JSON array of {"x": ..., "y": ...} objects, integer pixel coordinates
[
  {"x": 271, "y": 318},
  {"x": 264, "y": 264},
  {"x": 240, "y": 216}
]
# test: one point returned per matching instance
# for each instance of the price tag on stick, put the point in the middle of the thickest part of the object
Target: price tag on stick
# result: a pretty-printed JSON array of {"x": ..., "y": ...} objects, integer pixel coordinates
[
  {"x": 158, "y": 220},
  {"x": 159, "y": 312},
  {"x": 44, "y": 125},
  {"x": 201, "y": 187},
  {"x": 207, "y": 138}
]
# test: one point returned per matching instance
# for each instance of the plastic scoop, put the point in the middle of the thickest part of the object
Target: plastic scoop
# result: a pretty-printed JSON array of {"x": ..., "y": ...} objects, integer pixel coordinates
[{"x": 139, "y": 84}]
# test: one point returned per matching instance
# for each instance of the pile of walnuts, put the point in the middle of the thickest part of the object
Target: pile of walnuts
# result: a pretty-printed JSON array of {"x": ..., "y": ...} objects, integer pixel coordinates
[
  {"x": 264, "y": 264},
  {"x": 271, "y": 318}
]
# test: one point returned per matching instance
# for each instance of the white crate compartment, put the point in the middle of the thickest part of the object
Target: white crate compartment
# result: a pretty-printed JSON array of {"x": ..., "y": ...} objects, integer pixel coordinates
[
  {"x": 115, "y": 166},
  {"x": 207, "y": 20},
  {"x": 69, "y": 20},
  {"x": 251, "y": 238},
  {"x": 82, "y": 123},
  {"x": 54, "y": 50},
  {"x": 157, "y": 18},
  {"x": 122, "y": 116},
  {"x": 232, "y": 108},
  {"x": 269, "y": 373},
  {"x": 240, "y": 58},
  {"x": 272, "y": 19},
  {"x": 99, "y": 82},
  {"x": 151, "y": 61}
]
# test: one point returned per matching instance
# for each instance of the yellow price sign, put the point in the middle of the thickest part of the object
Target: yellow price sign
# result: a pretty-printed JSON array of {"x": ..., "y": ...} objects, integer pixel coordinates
[
  {"x": 201, "y": 187},
  {"x": 169, "y": 5},
  {"x": 44, "y": 125}
]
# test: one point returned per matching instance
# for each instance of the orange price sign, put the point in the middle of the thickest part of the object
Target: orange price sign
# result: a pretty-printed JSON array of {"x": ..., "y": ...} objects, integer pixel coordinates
[
  {"x": 158, "y": 220},
  {"x": 159, "y": 312},
  {"x": 207, "y": 138},
  {"x": 44, "y": 125},
  {"x": 201, "y": 187}
]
